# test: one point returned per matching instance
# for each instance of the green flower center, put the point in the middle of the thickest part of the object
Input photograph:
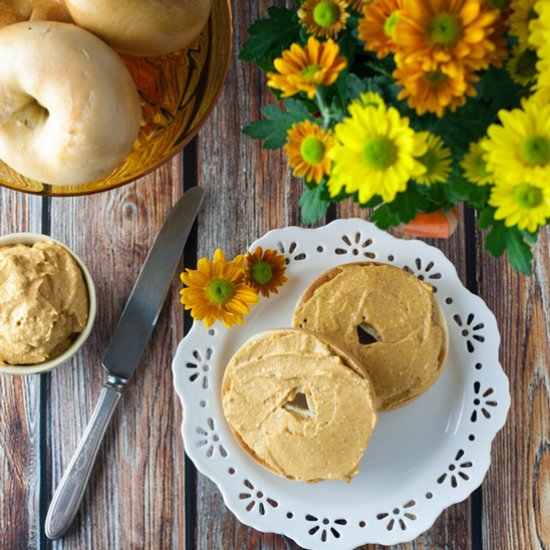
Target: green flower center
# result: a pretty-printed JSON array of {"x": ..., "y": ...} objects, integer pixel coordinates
[
  {"x": 430, "y": 160},
  {"x": 261, "y": 273},
  {"x": 309, "y": 72},
  {"x": 379, "y": 153},
  {"x": 312, "y": 150},
  {"x": 528, "y": 196},
  {"x": 526, "y": 64},
  {"x": 219, "y": 291},
  {"x": 390, "y": 23},
  {"x": 535, "y": 151},
  {"x": 479, "y": 166},
  {"x": 435, "y": 78},
  {"x": 445, "y": 29},
  {"x": 326, "y": 13}
]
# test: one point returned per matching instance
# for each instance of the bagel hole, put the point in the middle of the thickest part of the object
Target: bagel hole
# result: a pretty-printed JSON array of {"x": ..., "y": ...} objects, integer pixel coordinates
[
  {"x": 31, "y": 113},
  {"x": 298, "y": 404},
  {"x": 367, "y": 334}
]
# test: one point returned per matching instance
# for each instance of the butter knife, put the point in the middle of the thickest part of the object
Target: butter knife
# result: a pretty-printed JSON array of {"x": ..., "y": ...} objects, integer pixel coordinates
[{"x": 129, "y": 340}]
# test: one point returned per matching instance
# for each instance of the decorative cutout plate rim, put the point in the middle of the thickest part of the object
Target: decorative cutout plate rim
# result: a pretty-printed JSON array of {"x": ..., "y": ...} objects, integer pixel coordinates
[{"x": 450, "y": 428}]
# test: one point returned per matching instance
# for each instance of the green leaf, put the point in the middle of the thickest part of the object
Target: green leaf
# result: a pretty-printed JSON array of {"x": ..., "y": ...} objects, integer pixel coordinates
[
  {"x": 519, "y": 252},
  {"x": 312, "y": 205},
  {"x": 270, "y": 36},
  {"x": 495, "y": 242},
  {"x": 530, "y": 237},
  {"x": 277, "y": 122},
  {"x": 384, "y": 218},
  {"x": 486, "y": 217}
]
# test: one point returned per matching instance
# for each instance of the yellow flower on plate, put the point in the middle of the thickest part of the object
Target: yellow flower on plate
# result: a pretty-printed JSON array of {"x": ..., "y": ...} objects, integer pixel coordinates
[
  {"x": 265, "y": 271},
  {"x": 308, "y": 148},
  {"x": 519, "y": 149},
  {"x": 433, "y": 91},
  {"x": 523, "y": 12},
  {"x": 324, "y": 18},
  {"x": 375, "y": 153},
  {"x": 449, "y": 35},
  {"x": 525, "y": 205},
  {"x": 304, "y": 69},
  {"x": 475, "y": 165},
  {"x": 377, "y": 24},
  {"x": 216, "y": 290},
  {"x": 437, "y": 161},
  {"x": 522, "y": 65}
]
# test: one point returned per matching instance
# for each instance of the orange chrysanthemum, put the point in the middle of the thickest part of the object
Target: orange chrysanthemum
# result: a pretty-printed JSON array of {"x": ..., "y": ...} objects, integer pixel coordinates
[
  {"x": 303, "y": 69},
  {"x": 324, "y": 18},
  {"x": 216, "y": 290},
  {"x": 308, "y": 148},
  {"x": 498, "y": 38},
  {"x": 265, "y": 271},
  {"x": 433, "y": 91},
  {"x": 357, "y": 5},
  {"x": 446, "y": 34},
  {"x": 377, "y": 25}
]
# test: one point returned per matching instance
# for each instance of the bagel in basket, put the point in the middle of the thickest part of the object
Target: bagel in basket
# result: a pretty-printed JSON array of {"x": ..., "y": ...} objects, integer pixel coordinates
[
  {"x": 299, "y": 405},
  {"x": 69, "y": 109},
  {"x": 387, "y": 318},
  {"x": 142, "y": 27}
]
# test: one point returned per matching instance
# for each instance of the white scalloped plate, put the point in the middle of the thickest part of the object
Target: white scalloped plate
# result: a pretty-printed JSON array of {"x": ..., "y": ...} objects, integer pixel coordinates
[{"x": 421, "y": 459}]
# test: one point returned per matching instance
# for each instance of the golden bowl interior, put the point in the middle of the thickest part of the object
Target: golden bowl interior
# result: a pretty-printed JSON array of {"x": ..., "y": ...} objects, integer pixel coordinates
[{"x": 178, "y": 92}]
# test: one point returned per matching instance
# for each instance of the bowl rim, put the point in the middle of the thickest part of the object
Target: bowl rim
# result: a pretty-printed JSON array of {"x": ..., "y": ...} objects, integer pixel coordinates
[{"x": 29, "y": 239}]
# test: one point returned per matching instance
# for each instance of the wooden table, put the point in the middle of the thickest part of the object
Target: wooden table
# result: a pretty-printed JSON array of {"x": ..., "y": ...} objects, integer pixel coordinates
[{"x": 144, "y": 493}]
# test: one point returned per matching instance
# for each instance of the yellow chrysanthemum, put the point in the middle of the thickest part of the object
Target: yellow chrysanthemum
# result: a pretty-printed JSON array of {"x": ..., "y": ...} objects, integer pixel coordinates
[
  {"x": 303, "y": 69},
  {"x": 216, "y": 290},
  {"x": 519, "y": 149},
  {"x": 540, "y": 40},
  {"x": 522, "y": 65},
  {"x": 308, "y": 148},
  {"x": 324, "y": 18},
  {"x": 475, "y": 166},
  {"x": 446, "y": 34},
  {"x": 525, "y": 205},
  {"x": 377, "y": 25},
  {"x": 523, "y": 12},
  {"x": 375, "y": 153},
  {"x": 370, "y": 99},
  {"x": 437, "y": 161},
  {"x": 265, "y": 271},
  {"x": 433, "y": 91}
]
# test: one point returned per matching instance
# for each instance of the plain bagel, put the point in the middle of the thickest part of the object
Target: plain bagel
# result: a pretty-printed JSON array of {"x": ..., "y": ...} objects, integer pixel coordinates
[
  {"x": 299, "y": 405},
  {"x": 142, "y": 27},
  {"x": 69, "y": 109}
]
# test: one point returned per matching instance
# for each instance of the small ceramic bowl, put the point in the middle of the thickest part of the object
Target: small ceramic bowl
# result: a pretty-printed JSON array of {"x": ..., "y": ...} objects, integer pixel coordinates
[{"x": 31, "y": 238}]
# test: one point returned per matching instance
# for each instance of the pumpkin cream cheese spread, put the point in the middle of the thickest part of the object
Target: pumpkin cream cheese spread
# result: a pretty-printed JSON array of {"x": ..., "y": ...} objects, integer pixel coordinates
[
  {"x": 299, "y": 405},
  {"x": 43, "y": 302},
  {"x": 407, "y": 329}
]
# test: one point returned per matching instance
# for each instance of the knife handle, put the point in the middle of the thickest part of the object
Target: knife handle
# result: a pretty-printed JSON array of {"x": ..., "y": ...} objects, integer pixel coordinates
[{"x": 69, "y": 493}]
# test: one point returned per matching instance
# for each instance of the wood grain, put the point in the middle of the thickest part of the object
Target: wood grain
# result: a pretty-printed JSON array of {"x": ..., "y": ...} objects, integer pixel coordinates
[{"x": 21, "y": 426}]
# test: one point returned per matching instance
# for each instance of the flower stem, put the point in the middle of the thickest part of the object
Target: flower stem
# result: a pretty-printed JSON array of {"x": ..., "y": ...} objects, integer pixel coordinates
[{"x": 323, "y": 109}]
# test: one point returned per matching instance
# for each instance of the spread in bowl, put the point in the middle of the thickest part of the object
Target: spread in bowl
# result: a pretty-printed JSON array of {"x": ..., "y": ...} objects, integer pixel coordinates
[{"x": 44, "y": 302}]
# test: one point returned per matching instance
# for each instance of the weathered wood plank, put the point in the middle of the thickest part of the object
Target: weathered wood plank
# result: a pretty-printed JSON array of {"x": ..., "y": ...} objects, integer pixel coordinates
[
  {"x": 135, "y": 494},
  {"x": 20, "y": 425},
  {"x": 516, "y": 493}
]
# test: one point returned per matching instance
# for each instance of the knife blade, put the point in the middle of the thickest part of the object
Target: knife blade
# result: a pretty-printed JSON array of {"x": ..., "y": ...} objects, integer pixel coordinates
[{"x": 135, "y": 326}]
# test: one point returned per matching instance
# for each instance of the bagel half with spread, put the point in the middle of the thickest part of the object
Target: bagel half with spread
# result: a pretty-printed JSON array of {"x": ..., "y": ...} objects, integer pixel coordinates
[
  {"x": 69, "y": 109},
  {"x": 386, "y": 318},
  {"x": 299, "y": 405}
]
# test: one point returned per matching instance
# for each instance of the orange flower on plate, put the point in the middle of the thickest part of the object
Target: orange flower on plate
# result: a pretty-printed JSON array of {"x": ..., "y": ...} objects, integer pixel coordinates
[
  {"x": 377, "y": 25},
  {"x": 303, "y": 69},
  {"x": 449, "y": 35},
  {"x": 433, "y": 91},
  {"x": 265, "y": 271},
  {"x": 308, "y": 148}
]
